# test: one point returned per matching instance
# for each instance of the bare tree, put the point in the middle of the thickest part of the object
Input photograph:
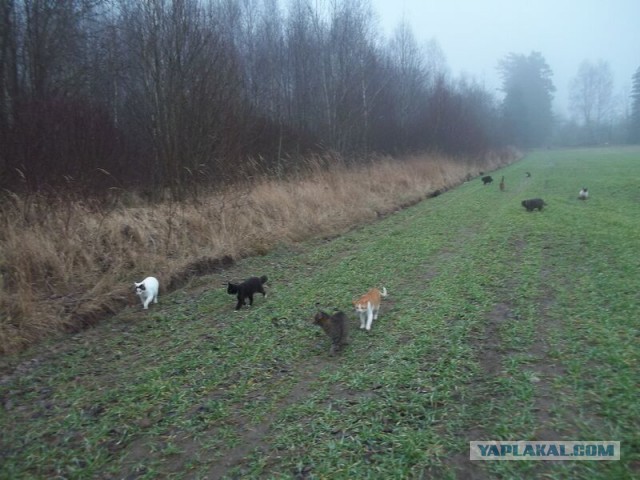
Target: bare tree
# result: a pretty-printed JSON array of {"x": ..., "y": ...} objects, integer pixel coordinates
[
  {"x": 409, "y": 81},
  {"x": 591, "y": 97},
  {"x": 304, "y": 51},
  {"x": 435, "y": 62},
  {"x": 183, "y": 86},
  {"x": 55, "y": 44},
  {"x": 9, "y": 86}
]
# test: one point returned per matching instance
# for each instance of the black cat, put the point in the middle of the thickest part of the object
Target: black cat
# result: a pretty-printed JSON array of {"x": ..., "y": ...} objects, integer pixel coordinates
[
  {"x": 487, "y": 179},
  {"x": 533, "y": 203},
  {"x": 246, "y": 289}
]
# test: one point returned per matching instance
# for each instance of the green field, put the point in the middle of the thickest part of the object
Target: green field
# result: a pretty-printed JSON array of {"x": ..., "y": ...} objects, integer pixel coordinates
[{"x": 499, "y": 325}]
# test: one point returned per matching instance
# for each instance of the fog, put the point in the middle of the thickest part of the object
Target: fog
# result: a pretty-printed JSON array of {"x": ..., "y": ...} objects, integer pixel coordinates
[
  {"x": 475, "y": 34},
  {"x": 184, "y": 89}
]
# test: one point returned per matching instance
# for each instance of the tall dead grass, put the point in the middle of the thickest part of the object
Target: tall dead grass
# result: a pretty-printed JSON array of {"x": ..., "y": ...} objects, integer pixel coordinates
[{"x": 64, "y": 265}]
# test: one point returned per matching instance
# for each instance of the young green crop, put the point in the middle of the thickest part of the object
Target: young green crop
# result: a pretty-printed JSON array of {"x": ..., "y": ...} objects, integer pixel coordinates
[{"x": 500, "y": 324}]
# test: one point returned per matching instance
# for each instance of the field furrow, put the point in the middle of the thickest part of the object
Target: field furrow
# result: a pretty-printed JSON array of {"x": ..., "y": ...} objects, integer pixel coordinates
[{"x": 500, "y": 324}]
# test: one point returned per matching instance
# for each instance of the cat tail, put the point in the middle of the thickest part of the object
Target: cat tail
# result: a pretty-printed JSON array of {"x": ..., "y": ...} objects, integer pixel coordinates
[
  {"x": 383, "y": 292},
  {"x": 263, "y": 279}
]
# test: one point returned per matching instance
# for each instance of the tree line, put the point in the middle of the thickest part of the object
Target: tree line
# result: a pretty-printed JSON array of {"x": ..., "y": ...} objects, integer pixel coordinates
[
  {"x": 597, "y": 115},
  {"x": 163, "y": 92},
  {"x": 103, "y": 93}
]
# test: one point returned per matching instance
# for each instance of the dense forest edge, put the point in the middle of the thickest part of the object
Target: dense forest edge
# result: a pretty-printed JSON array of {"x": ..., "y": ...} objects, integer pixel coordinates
[{"x": 101, "y": 95}]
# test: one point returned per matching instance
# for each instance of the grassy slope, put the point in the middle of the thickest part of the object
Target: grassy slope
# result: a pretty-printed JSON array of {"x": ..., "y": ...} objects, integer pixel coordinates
[
  {"x": 500, "y": 324},
  {"x": 65, "y": 264}
]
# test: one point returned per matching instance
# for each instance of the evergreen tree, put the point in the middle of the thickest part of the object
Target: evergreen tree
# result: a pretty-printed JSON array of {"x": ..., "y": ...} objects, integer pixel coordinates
[
  {"x": 528, "y": 92},
  {"x": 634, "y": 128}
]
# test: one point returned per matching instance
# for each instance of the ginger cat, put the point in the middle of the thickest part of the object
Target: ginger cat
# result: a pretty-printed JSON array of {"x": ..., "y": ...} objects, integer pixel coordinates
[{"x": 368, "y": 306}]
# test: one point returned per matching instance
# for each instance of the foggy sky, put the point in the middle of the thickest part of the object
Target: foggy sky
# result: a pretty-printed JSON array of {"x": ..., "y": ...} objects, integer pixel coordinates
[{"x": 475, "y": 34}]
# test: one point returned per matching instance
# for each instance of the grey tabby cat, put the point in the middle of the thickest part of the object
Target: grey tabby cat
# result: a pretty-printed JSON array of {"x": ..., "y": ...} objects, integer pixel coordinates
[{"x": 336, "y": 327}]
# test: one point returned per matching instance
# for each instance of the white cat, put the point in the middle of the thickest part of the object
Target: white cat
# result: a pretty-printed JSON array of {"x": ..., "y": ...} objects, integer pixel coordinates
[
  {"x": 583, "y": 194},
  {"x": 147, "y": 290}
]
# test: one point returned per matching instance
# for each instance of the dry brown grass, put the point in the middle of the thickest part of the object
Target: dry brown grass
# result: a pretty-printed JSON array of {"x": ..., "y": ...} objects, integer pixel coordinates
[{"x": 64, "y": 266}]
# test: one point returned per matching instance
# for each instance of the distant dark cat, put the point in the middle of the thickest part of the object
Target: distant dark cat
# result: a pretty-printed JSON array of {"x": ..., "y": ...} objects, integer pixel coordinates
[
  {"x": 487, "y": 179},
  {"x": 533, "y": 203},
  {"x": 336, "y": 327},
  {"x": 246, "y": 289}
]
